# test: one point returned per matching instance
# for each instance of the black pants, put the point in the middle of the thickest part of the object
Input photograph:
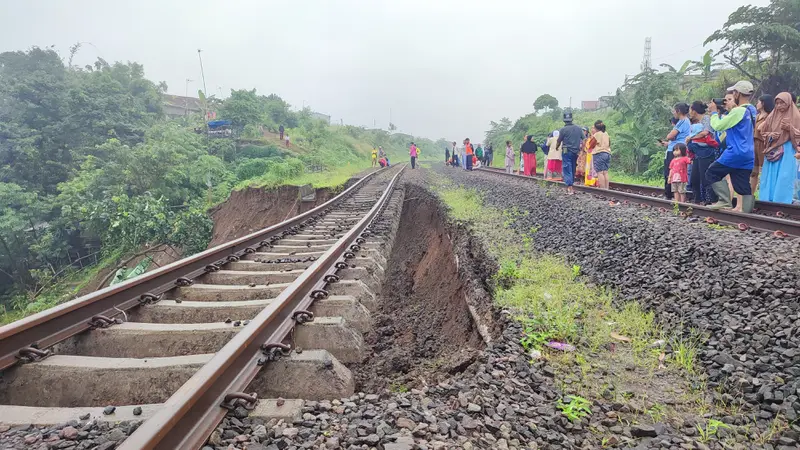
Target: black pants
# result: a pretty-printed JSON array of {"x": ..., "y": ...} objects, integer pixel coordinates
[
  {"x": 413, "y": 162},
  {"x": 740, "y": 178},
  {"x": 468, "y": 162},
  {"x": 667, "y": 185},
  {"x": 699, "y": 186}
]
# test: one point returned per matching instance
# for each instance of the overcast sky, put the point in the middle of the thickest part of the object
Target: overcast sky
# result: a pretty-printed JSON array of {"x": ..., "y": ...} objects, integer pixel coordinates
[{"x": 445, "y": 68}]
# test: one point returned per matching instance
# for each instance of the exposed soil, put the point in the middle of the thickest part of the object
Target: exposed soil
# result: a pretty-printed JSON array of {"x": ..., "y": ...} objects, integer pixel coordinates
[
  {"x": 423, "y": 326},
  {"x": 252, "y": 209}
]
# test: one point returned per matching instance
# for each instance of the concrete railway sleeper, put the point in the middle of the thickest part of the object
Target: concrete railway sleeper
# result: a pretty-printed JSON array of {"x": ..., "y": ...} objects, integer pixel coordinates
[{"x": 247, "y": 325}]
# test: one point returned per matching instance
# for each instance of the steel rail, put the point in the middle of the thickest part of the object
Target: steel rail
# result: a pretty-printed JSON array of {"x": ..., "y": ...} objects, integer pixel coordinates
[
  {"x": 27, "y": 338},
  {"x": 192, "y": 413},
  {"x": 782, "y": 209},
  {"x": 741, "y": 220}
]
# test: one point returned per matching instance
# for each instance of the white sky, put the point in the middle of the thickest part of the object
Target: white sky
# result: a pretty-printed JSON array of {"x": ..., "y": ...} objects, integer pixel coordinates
[{"x": 444, "y": 67}]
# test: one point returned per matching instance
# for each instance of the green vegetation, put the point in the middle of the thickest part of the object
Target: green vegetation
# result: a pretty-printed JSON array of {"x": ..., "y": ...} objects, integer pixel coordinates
[
  {"x": 761, "y": 44},
  {"x": 709, "y": 431},
  {"x": 90, "y": 163},
  {"x": 576, "y": 409}
]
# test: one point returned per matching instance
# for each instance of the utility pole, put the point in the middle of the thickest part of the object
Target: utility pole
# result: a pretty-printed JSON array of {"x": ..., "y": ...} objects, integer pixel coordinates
[
  {"x": 186, "y": 98},
  {"x": 202, "y": 72}
]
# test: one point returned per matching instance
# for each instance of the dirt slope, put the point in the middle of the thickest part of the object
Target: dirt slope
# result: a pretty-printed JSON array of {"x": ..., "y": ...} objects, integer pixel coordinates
[{"x": 252, "y": 209}]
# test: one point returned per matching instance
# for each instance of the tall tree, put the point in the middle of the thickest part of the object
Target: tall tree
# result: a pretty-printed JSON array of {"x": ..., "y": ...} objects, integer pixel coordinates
[
  {"x": 763, "y": 43},
  {"x": 545, "y": 102}
]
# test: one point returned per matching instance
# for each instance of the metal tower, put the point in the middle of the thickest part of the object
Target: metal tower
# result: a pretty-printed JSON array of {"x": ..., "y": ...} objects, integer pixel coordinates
[{"x": 647, "y": 60}]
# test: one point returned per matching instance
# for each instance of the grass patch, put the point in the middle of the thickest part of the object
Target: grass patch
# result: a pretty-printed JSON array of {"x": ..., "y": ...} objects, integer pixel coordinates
[{"x": 625, "y": 178}]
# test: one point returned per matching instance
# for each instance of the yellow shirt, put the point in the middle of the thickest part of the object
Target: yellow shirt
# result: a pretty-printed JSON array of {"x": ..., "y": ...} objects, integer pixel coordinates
[
  {"x": 603, "y": 143},
  {"x": 374, "y": 154}
]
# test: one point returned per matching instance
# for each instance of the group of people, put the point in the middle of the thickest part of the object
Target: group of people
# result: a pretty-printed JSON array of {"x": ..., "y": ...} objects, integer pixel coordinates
[
  {"x": 729, "y": 145},
  {"x": 379, "y": 157},
  {"x": 571, "y": 152},
  {"x": 468, "y": 156}
]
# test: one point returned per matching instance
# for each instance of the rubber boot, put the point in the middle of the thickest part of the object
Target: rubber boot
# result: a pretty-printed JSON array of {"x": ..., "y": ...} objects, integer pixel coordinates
[
  {"x": 723, "y": 193},
  {"x": 748, "y": 201}
]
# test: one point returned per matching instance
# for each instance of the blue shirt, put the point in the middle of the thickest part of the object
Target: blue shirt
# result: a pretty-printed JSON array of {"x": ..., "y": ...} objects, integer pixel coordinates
[
  {"x": 738, "y": 125},
  {"x": 684, "y": 127}
]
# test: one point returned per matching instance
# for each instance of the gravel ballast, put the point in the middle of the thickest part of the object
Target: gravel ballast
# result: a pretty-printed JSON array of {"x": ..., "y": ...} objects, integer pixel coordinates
[{"x": 694, "y": 276}]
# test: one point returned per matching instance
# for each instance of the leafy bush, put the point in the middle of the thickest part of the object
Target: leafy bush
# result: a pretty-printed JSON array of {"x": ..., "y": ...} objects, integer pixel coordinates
[{"x": 259, "y": 151}]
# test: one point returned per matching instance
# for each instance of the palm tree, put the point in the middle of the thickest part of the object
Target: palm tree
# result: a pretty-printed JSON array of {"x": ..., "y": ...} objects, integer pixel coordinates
[{"x": 706, "y": 66}]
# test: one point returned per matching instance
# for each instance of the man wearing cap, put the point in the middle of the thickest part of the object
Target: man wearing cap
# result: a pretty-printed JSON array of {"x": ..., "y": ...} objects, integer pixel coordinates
[
  {"x": 738, "y": 158},
  {"x": 569, "y": 139}
]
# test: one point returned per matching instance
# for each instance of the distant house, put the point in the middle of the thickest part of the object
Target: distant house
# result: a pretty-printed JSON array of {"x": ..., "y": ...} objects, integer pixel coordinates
[
  {"x": 179, "y": 106},
  {"x": 605, "y": 101},
  {"x": 320, "y": 116},
  {"x": 590, "y": 105}
]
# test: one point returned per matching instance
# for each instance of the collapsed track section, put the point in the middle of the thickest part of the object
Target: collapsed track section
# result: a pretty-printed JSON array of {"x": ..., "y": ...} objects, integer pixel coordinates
[{"x": 197, "y": 332}]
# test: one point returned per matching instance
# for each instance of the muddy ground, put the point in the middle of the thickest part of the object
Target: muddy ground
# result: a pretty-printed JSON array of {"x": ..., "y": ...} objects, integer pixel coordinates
[{"x": 423, "y": 328}]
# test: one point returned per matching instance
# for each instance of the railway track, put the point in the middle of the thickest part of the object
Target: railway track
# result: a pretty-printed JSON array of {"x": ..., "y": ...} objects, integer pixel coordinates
[
  {"x": 779, "y": 219},
  {"x": 267, "y": 317}
]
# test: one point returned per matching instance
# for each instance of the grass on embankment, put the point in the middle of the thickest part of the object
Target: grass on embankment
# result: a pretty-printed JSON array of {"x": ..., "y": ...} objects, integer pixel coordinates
[
  {"x": 617, "y": 353},
  {"x": 24, "y": 304}
]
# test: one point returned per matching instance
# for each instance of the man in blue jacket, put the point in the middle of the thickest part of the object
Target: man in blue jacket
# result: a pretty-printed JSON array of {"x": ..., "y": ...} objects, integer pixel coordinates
[{"x": 738, "y": 158}]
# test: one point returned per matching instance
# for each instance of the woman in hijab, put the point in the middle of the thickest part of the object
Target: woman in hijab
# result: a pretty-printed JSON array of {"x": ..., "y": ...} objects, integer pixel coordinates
[
  {"x": 781, "y": 133},
  {"x": 529, "y": 155},
  {"x": 553, "y": 169}
]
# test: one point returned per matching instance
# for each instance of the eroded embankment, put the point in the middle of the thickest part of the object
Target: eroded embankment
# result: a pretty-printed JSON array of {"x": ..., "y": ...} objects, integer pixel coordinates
[
  {"x": 252, "y": 209},
  {"x": 433, "y": 291}
]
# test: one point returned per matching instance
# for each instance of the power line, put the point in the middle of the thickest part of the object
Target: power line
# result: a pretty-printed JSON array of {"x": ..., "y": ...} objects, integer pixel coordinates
[{"x": 678, "y": 52}]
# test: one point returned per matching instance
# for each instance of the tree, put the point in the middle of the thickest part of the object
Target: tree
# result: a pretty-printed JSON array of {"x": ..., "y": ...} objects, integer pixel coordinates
[
  {"x": 763, "y": 43},
  {"x": 242, "y": 108},
  {"x": 545, "y": 102}
]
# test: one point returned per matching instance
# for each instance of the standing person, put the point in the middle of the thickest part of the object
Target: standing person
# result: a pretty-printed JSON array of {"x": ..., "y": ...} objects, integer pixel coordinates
[
  {"x": 569, "y": 139},
  {"x": 374, "y": 156},
  {"x": 590, "y": 175},
  {"x": 738, "y": 158},
  {"x": 528, "y": 150},
  {"x": 765, "y": 105},
  {"x": 412, "y": 151},
  {"x": 601, "y": 153},
  {"x": 468, "y": 154},
  {"x": 479, "y": 152},
  {"x": 488, "y": 155},
  {"x": 509, "y": 162},
  {"x": 781, "y": 133},
  {"x": 680, "y": 131},
  {"x": 446, "y": 155},
  {"x": 281, "y": 130},
  {"x": 553, "y": 169},
  {"x": 678, "y": 172},
  {"x": 287, "y": 140},
  {"x": 703, "y": 145},
  {"x": 580, "y": 165}
]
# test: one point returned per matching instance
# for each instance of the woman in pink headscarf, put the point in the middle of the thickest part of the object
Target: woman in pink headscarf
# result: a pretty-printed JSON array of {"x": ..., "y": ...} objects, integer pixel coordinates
[{"x": 781, "y": 133}]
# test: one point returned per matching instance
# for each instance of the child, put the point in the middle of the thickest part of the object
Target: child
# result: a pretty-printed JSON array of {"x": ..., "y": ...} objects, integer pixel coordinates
[
  {"x": 287, "y": 140},
  {"x": 678, "y": 172},
  {"x": 374, "y": 156}
]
